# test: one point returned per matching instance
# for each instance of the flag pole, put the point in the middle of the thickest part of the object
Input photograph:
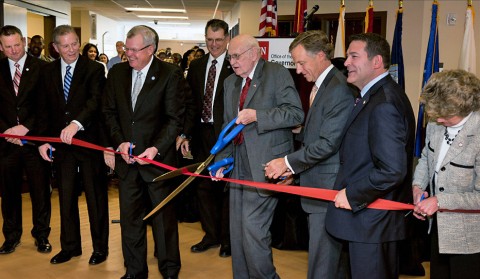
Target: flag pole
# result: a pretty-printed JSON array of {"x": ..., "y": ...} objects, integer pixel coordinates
[{"x": 400, "y": 4}]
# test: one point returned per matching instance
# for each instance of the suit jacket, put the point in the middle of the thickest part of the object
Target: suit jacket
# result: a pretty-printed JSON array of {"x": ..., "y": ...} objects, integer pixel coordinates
[
  {"x": 83, "y": 103},
  {"x": 196, "y": 79},
  {"x": 317, "y": 162},
  {"x": 457, "y": 186},
  {"x": 376, "y": 158},
  {"x": 24, "y": 105},
  {"x": 272, "y": 94},
  {"x": 157, "y": 118}
]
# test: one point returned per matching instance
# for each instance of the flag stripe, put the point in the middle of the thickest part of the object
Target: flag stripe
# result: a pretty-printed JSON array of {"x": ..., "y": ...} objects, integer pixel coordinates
[
  {"x": 340, "y": 39},
  {"x": 268, "y": 19},
  {"x": 468, "y": 56}
]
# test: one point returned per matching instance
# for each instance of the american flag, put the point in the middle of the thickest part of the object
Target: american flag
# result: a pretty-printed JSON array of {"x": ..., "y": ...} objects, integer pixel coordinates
[{"x": 268, "y": 19}]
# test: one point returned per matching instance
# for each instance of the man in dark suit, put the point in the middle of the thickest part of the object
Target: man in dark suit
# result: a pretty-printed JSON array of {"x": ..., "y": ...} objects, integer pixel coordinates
[
  {"x": 70, "y": 107},
  {"x": 263, "y": 97},
  {"x": 143, "y": 110},
  {"x": 204, "y": 124},
  {"x": 376, "y": 162},
  {"x": 317, "y": 161},
  {"x": 19, "y": 81}
]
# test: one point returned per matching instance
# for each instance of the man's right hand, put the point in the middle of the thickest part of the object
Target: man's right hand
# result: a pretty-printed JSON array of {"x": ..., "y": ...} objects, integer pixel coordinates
[
  {"x": 44, "y": 150},
  {"x": 124, "y": 148}
]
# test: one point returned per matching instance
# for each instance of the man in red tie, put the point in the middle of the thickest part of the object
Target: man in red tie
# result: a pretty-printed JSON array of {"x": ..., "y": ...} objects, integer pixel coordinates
[
  {"x": 19, "y": 83},
  {"x": 203, "y": 125},
  {"x": 271, "y": 107}
]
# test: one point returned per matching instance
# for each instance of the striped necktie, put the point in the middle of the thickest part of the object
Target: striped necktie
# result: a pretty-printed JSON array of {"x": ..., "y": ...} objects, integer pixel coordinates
[
  {"x": 67, "y": 82},
  {"x": 16, "y": 78},
  {"x": 137, "y": 87}
]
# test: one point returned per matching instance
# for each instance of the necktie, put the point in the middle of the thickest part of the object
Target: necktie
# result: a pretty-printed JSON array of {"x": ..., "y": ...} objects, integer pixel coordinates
[
  {"x": 16, "y": 78},
  {"x": 313, "y": 93},
  {"x": 136, "y": 88},
  {"x": 239, "y": 138},
  {"x": 207, "y": 98},
  {"x": 67, "y": 81}
]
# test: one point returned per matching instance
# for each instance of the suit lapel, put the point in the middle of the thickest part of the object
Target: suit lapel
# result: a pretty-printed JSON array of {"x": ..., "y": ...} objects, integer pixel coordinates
[
  {"x": 57, "y": 79},
  {"x": 78, "y": 73},
  {"x": 256, "y": 82},
  {"x": 462, "y": 140},
  {"x": 320, "y": 91},
  {"x": 150, "y": 80},
  {"x": 236, "y": 96}
]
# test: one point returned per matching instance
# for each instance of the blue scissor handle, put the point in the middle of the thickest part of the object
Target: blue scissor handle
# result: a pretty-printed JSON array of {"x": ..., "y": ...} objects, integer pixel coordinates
[
  {"x": 217, "y": 165},
  {"x": 224, "y": 140}
]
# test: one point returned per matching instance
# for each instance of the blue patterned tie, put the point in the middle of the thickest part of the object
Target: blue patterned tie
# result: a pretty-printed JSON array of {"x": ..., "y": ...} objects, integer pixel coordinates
[{"x": 66, "y": 82}]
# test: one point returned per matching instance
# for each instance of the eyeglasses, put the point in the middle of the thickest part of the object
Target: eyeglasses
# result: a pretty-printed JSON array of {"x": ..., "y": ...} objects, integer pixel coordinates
[
  {"x": 212, "y": 41},
  {"x": 72, "y": 45},
  {"x": 229, "y": 57},
  {"x": 134, "y": 50}
]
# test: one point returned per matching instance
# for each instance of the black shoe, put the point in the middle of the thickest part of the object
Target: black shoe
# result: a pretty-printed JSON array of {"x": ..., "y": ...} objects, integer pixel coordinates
[
  {"x": 43, "y": 246},
  {"x": 203, "y": 246},
  {"x": 97, "y": 257},
  {"x": 9, "y": 247},
  {"x": 64, "y": 256},
  {"x": 225, "y": 251}
]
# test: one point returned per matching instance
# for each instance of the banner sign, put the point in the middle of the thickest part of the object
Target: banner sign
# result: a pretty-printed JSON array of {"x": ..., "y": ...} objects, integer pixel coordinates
[{"x": 276, "y": 50}]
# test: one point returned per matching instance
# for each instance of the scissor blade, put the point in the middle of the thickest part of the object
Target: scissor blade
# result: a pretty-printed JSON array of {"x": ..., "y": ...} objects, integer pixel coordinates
[
  {"x": 177, "y": 172},
  {"x": 182, "y": 186}
]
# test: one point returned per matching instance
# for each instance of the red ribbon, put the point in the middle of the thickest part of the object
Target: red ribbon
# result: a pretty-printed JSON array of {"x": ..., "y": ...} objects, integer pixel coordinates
[{"x": 322, "y": 194}]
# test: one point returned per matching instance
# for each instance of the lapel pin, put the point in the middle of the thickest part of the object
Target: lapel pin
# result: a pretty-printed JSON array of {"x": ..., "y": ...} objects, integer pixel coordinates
[
  {"x": 153, "y": 78},
  {"x": 364, "y": 102},
  {"x": 27, "y": 69},
  {"x": 255, "y": 85},
  {"x": 460, "y": 144}
]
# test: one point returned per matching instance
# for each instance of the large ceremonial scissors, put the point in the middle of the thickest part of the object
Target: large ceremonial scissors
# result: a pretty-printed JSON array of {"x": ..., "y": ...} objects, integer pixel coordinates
[{"x": 222, "y": 141}]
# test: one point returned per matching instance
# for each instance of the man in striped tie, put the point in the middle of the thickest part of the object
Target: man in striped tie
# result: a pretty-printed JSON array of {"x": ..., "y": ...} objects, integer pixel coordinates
[{"x": 19, "y": 79}]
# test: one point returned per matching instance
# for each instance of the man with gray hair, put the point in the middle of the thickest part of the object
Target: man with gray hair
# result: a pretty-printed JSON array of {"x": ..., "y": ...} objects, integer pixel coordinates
[
  {"x": 262, "y": 96},
  {"x": 143, "y": 110},
  {"x": 317, "y": 162}
]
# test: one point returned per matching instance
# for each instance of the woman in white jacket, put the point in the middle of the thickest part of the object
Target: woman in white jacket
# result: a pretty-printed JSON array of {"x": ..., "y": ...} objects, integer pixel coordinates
[{"x": 450, "y": 165}]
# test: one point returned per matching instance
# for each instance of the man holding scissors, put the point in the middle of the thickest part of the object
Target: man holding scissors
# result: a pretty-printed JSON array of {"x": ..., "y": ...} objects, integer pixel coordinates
[
  {"x": 143, "y": 113},
  {"x": 263, "y": 96}
]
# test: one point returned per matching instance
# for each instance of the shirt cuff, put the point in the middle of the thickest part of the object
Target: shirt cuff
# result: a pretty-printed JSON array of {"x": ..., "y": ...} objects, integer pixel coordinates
[
  {"x": 80, "y": 126},
  {"x": 288, "y": 165}
]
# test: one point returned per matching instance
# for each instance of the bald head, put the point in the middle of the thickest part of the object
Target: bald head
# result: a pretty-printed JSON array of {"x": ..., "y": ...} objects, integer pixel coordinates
[{"x": 244, "y": 53}]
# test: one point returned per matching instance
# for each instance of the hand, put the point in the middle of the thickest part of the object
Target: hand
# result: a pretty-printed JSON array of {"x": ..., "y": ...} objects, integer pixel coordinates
[
  {"x": 297, "y": 129},
  {"x": 178, "y": 142},
  {"x": 44, "y": 150},
  {"x": 68, "y": 133},
  {"x": 417, "y": 194},
  {"x": 124, "y": 148},
  {"x": 218, "y": 174},
  {"x": 109, "y": 158},
  {"x": 341, "y": 200},
  {"x": 18, "y": 130},
  {"x": 425, "y": 208},
  {"x": 288, "y": 180},
  {"x": 246, "y": 116},
  {"x": 276, "y": 168},
  {"x": 185, "y": 147},
  {"x": 149, "y": 153}
]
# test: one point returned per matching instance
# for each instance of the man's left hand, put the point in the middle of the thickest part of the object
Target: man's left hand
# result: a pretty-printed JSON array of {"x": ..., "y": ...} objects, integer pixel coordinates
[
  {"x": 149, "y": 153},
  {"x": 276, "y": 168},
  {"x": 246, "y": 116},
  {"x": 68, "y": 133}
]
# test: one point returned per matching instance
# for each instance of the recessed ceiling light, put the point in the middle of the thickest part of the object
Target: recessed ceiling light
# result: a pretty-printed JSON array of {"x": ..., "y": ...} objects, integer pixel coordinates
[
  {"x": 170, "y": 23},
  {"x": 156, "y": 10},
  {"x": 154, "y": 16}
]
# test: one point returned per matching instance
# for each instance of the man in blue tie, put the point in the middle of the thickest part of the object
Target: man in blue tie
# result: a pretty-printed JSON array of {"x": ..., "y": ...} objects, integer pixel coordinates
[{"x": 69, "y": 101}]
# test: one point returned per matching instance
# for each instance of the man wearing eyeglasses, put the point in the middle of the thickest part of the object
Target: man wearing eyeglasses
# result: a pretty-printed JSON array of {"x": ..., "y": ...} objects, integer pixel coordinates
[
  {"x": 263, "y": 97},
  {"x": 143, "y": 110},
  {"x": 203, "y": 124},
  {"x": 69, "y": 105}
]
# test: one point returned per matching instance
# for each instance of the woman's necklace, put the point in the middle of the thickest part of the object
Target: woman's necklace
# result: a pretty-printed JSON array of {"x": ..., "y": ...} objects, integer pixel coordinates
[{"x": 448, "y": 139}]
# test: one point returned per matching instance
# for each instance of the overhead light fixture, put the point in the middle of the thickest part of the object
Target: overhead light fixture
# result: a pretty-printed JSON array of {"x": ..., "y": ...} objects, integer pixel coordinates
[
  {"x": 156, "y": 10},
  {"x": 163, "y": 17},
  {"x": 170, "y": 23}
]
